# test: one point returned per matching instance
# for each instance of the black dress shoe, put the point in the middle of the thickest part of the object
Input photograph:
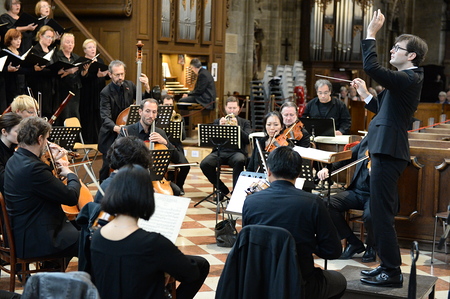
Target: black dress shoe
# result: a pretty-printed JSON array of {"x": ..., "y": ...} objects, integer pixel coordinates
[
  {"x": 351, "y": 250},
  {"x": 384, "y": 279},
  {"x": 369, "y": 256},
  {"x": 373, "y": 272}
]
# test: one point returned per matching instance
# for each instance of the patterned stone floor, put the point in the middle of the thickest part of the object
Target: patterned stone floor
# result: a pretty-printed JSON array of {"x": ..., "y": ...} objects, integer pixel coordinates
[{"x": 197, "y": 237}]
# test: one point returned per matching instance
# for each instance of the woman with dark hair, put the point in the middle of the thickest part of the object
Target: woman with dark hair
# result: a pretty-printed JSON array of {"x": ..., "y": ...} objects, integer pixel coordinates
[
  {"x": 10, "y": 17},
  {"x": 9, "y": 125},
  {"x": 14, "y": 76},
  {"x": 273, "y": 125},
  {"x": 129, "y": 262}
]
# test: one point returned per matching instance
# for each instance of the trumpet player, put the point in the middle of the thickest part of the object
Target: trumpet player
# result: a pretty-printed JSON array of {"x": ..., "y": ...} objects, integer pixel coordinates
[
  {"x": 178, "y": 157},
  {"x": 236, "y": 158}
]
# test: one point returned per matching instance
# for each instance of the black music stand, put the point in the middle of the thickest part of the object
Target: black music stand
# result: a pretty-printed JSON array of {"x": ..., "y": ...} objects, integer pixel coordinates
[
  {"x": 160, "y": 163},
  {"x": 64, "y": 136},
  {"x": 319, "y": 126},
  {"x": 218, "y": 137},
  {"x": 175, "y": 131},
  {"x": 164, "y": 116},
  {"x": 133, "y": 115}
]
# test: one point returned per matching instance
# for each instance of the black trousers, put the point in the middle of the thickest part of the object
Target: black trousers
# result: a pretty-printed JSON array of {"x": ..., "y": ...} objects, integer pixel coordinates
[
  {"x": 187, "y": 290},
  {"x": 344, "y": 201},
  {"x": 178, "y": 157},
  {"x": 384, "y": 204}
]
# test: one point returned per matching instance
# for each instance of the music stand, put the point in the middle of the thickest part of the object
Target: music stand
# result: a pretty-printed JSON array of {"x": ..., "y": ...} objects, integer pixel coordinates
[
  {"x": 64, "y": 136},
  {"x": 319, "y": 126},
  {"x": 160, "y": 163},
  {"x": 133, "y": 115},
  {"x": 164, "y": 116},
  {"x": 218, "y": 137},
  {"x": 175, "y": 131}
]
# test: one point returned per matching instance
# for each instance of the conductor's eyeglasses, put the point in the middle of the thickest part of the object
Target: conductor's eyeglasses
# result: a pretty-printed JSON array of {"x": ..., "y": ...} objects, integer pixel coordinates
[{"x": 397, "y": 47}]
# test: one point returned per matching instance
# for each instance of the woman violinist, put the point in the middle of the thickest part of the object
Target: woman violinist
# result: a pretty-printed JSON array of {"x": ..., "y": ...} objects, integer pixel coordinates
[
  {"x": 273, "y": 126},
  {"x": 9, "y": 124}
]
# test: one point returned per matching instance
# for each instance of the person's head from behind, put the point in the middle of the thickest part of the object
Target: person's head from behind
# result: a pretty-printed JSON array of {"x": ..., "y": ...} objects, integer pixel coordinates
[
  {"x": 273, "y": 123},
  {"x": 25, "y": 106},
  {"x": 196, "y": 65},
  {"x": 324, "y": 90},
  {"x": 128, "y": 150},
  {"x": 416, "y": 48},
  {"x": 130, "y": 193},
  {"x": 284, "y": 163},
  {"x": 232, "y": 106},
  {"x": 34, "y": 131}
]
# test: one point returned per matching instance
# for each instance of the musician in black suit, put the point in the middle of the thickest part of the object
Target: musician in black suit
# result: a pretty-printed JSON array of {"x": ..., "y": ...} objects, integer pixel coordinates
[
  {"x": 148, "y": 113},
  {"x": 357, "y": 196},
  {"x": 388, "y": 139},
  {"x": 34, "y": 196},
  {"x": 114, "y": 98},
  {"x": 236, "y": 158},
  {"x": 204, "y": 91}
]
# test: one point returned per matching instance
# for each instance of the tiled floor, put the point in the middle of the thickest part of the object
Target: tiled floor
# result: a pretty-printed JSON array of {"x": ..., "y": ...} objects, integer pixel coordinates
[{"x": 197, "y": 237}]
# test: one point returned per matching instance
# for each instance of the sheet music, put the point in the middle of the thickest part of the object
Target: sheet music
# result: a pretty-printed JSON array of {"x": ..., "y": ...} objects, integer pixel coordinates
[
  {"x": 168, "y": 217},
  {"x": 238, "y": 197},
  {"x": 49, "y": 55},
  {"x": 2, "y": 62}
]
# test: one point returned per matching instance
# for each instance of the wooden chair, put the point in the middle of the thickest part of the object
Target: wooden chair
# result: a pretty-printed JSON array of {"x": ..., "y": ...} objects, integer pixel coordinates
[{"x": 8, "y": 253}]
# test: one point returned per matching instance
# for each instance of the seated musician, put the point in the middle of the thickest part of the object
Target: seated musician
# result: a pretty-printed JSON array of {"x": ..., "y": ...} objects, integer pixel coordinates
[
  {"x": 236, "y": 158},
  {"x": 129, "y": 262},
  {"x": 9, "y": 125},
  {"x": 357, "y": 196},
  {"x": 114, "y": 98},
  {"x": 179, "y": 158},
  {"x": 273, "y": 125},
  {"x": 25, "y": 106},
  {"x": 295, "y": 130},
  {"x": 34, "y": 195},
  {"x": 124, "y": 150},
  {"x": 148, "y": 113},
  {"x": 325, "y": 106}
]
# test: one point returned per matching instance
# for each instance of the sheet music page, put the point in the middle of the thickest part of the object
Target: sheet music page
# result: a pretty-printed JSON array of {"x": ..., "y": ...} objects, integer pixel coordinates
[
  {"x": 2, "y": 62},
  {"x": 49, "y": 55},
  {"x": 168, "y": 217},
  {"x": 238, "y": 197},
  {"x": 313, "y": 154}
]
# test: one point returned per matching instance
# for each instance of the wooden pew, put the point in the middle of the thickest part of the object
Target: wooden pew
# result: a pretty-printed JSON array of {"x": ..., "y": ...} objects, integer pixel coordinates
[
  {"x": 429, "y": 143},
  {"x": 428, "y": 136}
]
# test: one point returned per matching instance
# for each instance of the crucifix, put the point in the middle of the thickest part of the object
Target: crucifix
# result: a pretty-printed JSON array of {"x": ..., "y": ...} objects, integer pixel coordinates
[{"x": 286, "y": 46}]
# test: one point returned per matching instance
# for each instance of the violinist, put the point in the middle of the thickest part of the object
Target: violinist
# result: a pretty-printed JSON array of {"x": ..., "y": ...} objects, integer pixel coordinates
[
  {"x": 273, "y": 126},
  {"x": 34, "y": 196},
  {"x": 236, "y": 158},
  {"x": 148, "y": 113},
  {"x": 9, "y": 124},
  {"x": 294, "y": 128},
  {"x": 115, "y": 97}
]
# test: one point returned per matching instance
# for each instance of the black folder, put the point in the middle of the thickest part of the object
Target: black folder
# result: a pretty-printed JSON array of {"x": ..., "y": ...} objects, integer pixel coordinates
[
  {"x": 57, "y": 27},
  {"x": 97, "y": 65},
  {"x": 25, "y": 20}
]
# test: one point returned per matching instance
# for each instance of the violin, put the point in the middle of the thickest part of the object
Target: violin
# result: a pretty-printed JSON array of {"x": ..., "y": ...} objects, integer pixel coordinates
[
  {"x": 295, "y": 130},
  {"x": 279, "y": 140}
]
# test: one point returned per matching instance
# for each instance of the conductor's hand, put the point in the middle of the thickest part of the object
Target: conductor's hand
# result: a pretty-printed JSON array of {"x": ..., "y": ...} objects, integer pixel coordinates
[
  {"x": 63, "y": 168},
  {"x": 375, "y": 24},
  {"x": 157, "y": 138},
  {"x": 360, "y": 86},
  {"x": 323, "y": 174}
]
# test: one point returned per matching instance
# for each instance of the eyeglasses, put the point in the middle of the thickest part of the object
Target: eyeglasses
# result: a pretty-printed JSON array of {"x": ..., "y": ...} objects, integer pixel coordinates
[
  {"x": 16, "y": 3},
  {"x": 397, "y": 47},
  {"x": 47, "y": 37}
]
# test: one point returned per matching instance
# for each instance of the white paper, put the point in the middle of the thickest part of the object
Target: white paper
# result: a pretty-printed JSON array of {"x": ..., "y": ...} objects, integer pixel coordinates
[
  {"x": 2, "y": 62},
  {"x": 168, "y": 217}
]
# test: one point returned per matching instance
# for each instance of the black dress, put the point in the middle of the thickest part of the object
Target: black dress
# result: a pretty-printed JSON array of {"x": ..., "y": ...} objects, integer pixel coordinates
[
  {"x": 71, "y": 83},
  {"x": 44, "y": 82},
  {"x": 90, "y": 105},
  {"x": 15, "y": 83},
  {"x": 27, "y": 36}
]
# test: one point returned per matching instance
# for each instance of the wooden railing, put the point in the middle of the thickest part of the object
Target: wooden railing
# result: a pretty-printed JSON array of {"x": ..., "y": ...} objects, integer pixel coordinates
[{"x": 82, "y": 29}]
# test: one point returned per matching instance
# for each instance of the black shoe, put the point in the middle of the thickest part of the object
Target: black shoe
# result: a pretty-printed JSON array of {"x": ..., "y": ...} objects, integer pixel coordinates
[
  {"x": 369, "y": 256},
  {"x": 373, "y": 272},
  {"x": 384, "y": 279},
  {"x": 181, "y": 192},
  {"x": 351, "y": 250}
]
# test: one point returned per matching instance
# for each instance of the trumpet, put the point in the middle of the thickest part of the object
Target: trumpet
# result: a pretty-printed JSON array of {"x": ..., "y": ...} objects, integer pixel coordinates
[
  {"x": 176, "y": 117},
  {"x": 231, "y": 119}
]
